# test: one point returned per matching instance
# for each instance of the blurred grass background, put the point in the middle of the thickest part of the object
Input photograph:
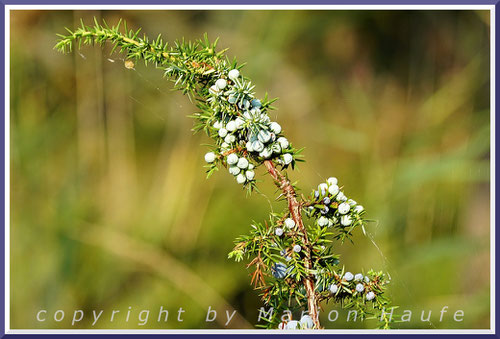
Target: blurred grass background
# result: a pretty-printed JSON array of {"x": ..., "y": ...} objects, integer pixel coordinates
[{"x": 109, "y": 203}]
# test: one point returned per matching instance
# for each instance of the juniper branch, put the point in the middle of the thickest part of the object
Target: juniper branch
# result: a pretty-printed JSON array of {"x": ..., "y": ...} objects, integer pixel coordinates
[{"x": 245, "y": 138}]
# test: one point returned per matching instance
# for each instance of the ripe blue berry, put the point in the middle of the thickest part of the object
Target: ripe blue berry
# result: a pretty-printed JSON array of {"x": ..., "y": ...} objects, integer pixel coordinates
[
  {"x": 334, "y": 288},
  {"x": 327, "y": 201},
  {"x": 358, "y": 277},
  {"x": 297, "y": 248},
  {"x": 278, "y": 232},
  {"x": 256, "y": 103},
  {"x": 279, "y": 270},
  {"x": 360, "y": 288}
]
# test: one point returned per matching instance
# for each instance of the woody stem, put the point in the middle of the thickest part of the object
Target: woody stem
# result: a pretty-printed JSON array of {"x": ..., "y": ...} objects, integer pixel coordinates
[{"x": 295, "y": 212}]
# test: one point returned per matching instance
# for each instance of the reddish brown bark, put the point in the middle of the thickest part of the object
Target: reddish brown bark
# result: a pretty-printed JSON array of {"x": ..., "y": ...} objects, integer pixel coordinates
[{"x": 294, "y": 208}]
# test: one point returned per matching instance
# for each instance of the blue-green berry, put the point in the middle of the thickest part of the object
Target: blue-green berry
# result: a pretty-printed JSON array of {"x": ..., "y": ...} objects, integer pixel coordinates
[
  {"x": 290, "y": 223},
  {"x": 332, "y": 181},
  {"x": 279, "y": 270},
  {"x": 346, "y": 220},
  {"x": 283, "y": 142},
  {"x": 292, "y": 325},
  {"x": 370, "y": 295},
  {"x": 229, "y": 139},
  {"x": 256, "y": 103},
  {"x": 232, "y": 159},
  {"x": 344, "y": 208},
  {"x": 233, "y": 74},
  {"x": 275, "y": 127},
  {"x": 250, "y": 175},
  {"x": 306, "y": 322},
  {"x": 323, "y": 221},
  {"x": 221, "y": 83},
  {"x": 222, "y": 132},
  {"x": 242, "y": 163},
  {"x": 333, "y": 190},
  {"x": 287, "y": 158},
  {"x": 266, "y": 153},
  {"x": 234, "y": 170},
  {"x": 240, "y": 179},
  {"x": 210, "y": 157},
  {"x": 348, "y": 276}
]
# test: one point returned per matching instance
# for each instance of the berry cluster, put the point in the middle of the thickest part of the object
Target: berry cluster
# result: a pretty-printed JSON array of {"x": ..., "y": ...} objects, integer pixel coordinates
[
  {"x": 331, "y": 208},
  {"x": 305, "y": 323},
  {"x": 245, "y": 135},
  {"x": 353, "y": 285}
]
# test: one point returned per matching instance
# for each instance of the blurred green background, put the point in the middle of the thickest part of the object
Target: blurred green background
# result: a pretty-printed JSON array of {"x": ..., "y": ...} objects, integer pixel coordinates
[{"x": 110, "y": 208}]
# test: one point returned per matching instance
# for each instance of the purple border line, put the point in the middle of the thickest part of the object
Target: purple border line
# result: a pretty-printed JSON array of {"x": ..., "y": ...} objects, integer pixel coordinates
[
  {"x": 253, "y": 2},
  {"x": 220, "y": 2}
]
